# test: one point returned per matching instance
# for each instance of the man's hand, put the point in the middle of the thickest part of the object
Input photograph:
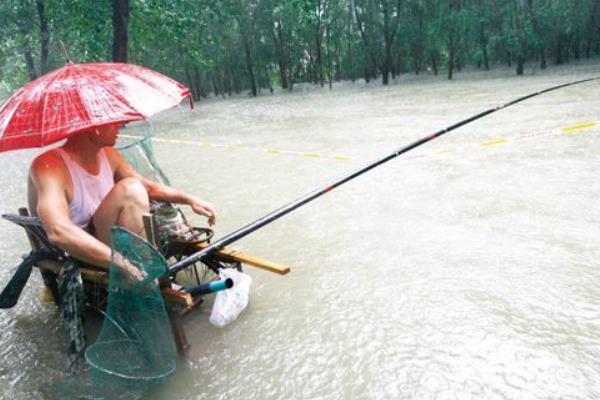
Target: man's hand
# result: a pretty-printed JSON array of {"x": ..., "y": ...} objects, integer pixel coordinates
[
  {"x": 204, "y": 208},
  {"x": 132, "y": 273}
]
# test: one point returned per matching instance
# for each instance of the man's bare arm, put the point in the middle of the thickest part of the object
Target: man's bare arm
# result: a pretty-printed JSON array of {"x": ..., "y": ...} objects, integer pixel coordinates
[
  {"x": 53, "y": 209},
  {"x": 157, "y": 191}
]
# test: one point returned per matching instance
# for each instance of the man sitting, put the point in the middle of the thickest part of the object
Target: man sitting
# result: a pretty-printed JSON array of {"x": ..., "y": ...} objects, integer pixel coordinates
[{"x": 81, "y": 189}]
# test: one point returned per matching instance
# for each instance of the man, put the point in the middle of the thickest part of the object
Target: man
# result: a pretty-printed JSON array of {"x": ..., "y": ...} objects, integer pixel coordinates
[{"x": 84, "y": 187}]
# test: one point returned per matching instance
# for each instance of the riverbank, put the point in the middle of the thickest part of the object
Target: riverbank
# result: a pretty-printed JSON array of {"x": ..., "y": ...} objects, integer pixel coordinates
[{"x": 468, "y": 73}]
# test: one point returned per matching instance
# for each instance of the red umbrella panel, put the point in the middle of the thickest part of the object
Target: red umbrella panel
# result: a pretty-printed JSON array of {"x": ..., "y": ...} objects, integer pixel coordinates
[{"x": 81, "y": 96}]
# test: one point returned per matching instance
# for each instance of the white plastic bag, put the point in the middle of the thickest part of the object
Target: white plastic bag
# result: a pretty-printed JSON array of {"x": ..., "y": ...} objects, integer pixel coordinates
[{"x": 230, "y": 303}]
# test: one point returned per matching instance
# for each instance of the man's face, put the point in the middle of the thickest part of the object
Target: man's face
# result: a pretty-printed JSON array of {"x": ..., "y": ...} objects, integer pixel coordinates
[{"x": 105, "y": 135}]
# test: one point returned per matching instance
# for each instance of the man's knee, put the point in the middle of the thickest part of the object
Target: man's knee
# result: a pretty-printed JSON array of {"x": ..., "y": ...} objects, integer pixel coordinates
[{"x": 132, "y": 190}]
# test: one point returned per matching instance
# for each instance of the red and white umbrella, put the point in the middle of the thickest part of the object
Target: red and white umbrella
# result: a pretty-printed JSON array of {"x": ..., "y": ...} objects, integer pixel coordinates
[{"x": 77, "y": 97}]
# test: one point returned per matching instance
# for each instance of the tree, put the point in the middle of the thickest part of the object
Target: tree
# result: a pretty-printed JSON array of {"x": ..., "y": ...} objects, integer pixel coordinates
[
  {"x": 44, "y": 36},
  {"x": 120, "y": 21},
  {"x": 227, "y": 46}
]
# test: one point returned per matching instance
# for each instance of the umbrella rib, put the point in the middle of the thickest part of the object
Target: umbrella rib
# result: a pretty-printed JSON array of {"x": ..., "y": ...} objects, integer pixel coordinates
[
  {"x": 118, "y": 95},
  {"x": 134, "y": 73},
  {"x": 84, "y": 104},
  {"x": 45, "y": 102}
]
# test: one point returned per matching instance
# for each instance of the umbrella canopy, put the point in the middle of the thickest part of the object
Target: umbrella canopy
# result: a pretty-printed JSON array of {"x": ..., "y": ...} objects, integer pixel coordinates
[{"x": 77, "y": 97}]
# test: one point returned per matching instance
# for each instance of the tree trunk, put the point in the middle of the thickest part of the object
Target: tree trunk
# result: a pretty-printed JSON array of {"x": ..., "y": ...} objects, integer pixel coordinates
[
  {"x": 433, "y": 57},
  {"x": 318, "y": 42},
  {"x": 199, "y": 83},
  {"x": 229, "y": 78},
  {"x": 338, "y": 65},
  {"x": 319, "y": 60},
  {"x": 26, "y": 48},
  {"x": 290, "y": 77},
  {"x": 559, "y": 51},
  {"x": 24, "y": 28},
  {"x": 387, "y": 62},
  {"x": 249, "y": 66},
  {"x": 310, "y": 68},
  {"x": 483, "y": 46},
  {"x": 451, "y": 47},
  {"x": 592, "y": 28},
  {"x": 519, "y": 21},
  {"x": 221, "y": 82},
  {"x": 395, "y": 64},
  {"x": 371, "y": 59},
  {"x": 385, "y": 70},
  {"x": 543, "y": 63},
  {"x": 277, "y": 34},
  {"x": 44, "y": 36},
  {"x": 520, "y": 65},
  {"x": 215, "y": 86},
  {"x": 453, "y": 38},
  {"x": 351, "y": 62},
  {"x": 486, "y": 60},
  {"x": 329, "y": 62},
  {"x": 389, "y": 31},
  {"x": 416, "y": 58},
  {"x": 450, "y": 63},
  {"x": 120, "y": 20},
  {"x": 192, "y": 83},
  {"x": 237, "y": 84}
]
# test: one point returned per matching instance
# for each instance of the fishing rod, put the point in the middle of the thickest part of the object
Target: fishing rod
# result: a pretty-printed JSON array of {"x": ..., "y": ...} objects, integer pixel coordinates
[{"x": 280, "y": 212}]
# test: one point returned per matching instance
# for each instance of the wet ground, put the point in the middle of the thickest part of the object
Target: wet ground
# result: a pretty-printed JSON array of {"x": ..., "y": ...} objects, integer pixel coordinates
[{"x": 467, "y": 268}]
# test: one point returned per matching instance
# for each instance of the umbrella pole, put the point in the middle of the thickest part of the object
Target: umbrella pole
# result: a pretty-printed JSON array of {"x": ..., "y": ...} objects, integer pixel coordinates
[{"x": 242, "y": 232}]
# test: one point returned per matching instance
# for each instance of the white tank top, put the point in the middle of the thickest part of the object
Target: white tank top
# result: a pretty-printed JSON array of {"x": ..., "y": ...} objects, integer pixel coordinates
[{"x": 88, "y": 190}]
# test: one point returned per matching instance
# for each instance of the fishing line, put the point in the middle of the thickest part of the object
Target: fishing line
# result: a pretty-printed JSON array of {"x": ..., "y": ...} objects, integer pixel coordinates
[{"x": 242, "y": 232}]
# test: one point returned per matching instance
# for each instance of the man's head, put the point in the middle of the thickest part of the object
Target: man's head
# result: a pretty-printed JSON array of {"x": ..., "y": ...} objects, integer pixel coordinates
[{"x": 105, "y": 135}]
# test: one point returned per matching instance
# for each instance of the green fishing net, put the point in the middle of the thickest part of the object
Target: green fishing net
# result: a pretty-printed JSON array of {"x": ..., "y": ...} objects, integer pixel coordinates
[
  {"x": 139, "y": 154},
  {"x": 135, "y": 347}
]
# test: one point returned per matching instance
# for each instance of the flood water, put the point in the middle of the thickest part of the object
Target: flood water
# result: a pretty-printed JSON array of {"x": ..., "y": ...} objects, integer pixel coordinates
[{"x": 465, "y": 269}]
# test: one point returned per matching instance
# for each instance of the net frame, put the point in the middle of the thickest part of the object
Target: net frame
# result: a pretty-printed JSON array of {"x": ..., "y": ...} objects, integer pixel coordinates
[
  {"x": 135, "y": 347},
  {"x": 137, "y": 150}
]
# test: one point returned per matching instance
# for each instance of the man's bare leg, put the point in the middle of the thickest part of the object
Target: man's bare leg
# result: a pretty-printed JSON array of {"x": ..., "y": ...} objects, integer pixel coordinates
[{"x": 124, "y": 205}]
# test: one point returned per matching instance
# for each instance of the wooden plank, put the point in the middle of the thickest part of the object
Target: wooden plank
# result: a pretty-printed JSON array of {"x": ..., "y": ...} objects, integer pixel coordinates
[
  {"x": 257, "y": 262},
  {"x": 153, "y": 236},
  {"x": 88, "y": 274},
  {"x": 171, "y": 296},
  {"x": 178, "y": 332},
  {"x": 151, "y": 228}
]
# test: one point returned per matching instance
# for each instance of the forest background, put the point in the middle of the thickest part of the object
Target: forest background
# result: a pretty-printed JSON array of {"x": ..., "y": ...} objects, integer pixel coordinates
[{"x": 221, "y": 47}]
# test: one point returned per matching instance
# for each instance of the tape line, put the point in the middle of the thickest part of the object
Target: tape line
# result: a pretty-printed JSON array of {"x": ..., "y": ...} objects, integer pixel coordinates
[
  {"x": 578, "y": 128},
  {"x": 494, "y": 142},
  {"x": 568, "y": 130}
]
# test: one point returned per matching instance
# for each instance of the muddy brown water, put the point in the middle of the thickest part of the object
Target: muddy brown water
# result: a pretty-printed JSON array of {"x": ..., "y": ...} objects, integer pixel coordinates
[{"x": 466, "y": 269}]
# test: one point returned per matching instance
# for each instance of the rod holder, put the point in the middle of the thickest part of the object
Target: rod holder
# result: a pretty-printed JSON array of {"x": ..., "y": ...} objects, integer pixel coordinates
[{"x": 210, "y": 287}]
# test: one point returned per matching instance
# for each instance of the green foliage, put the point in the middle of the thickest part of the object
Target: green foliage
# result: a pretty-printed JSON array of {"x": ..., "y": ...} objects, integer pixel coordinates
[{"x": 227, "y": 46}]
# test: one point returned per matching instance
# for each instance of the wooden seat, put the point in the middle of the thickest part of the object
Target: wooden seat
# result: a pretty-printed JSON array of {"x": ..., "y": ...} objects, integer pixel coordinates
[{"x": 178, "y": 303}]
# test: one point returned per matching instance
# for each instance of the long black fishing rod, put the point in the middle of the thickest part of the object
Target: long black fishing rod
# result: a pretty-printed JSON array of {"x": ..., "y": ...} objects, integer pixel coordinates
[{"x": 240, "y": 233}]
